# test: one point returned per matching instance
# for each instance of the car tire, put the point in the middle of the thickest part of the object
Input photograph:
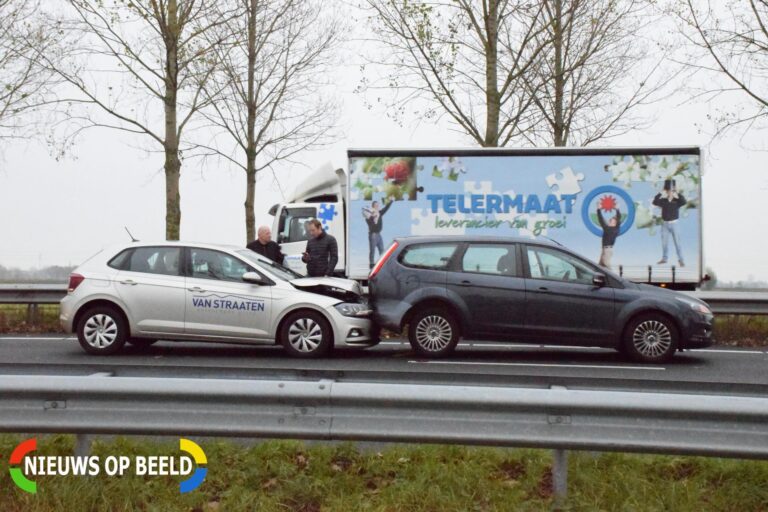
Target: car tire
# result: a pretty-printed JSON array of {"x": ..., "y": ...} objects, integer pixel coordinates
[
  {"x": 433, "y": 332},
  {"x": 102, "y": 330},
  {"x": 306, "y": 334},
  {"x": 142, "y": 342},
  {"x": 651, "y": 338}
]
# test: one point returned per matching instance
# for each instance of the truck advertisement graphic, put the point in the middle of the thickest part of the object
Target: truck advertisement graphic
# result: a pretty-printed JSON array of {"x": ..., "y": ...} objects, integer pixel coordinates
[{"x": 636, "y": 212}]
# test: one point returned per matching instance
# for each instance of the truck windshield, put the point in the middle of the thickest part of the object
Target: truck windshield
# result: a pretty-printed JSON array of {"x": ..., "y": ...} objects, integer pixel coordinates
[
  {"x": 293, "y": 221},
  {"x": 272, "y": 267}
]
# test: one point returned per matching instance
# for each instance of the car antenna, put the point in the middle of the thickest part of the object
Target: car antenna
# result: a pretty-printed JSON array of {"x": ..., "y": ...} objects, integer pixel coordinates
[
  {"x": 133, "y": 239},
  {"x": 552, "y": 240}
]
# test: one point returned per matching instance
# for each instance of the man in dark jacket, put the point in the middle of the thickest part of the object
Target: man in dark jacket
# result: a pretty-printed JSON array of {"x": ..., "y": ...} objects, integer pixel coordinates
[
  {"x": 610, "y": 233},
  {"x": 266, "y": 247},
  {"x": 373, "y": 217},
  {"x": 670, "y": 205},
  {"x": 322, "y": 252}
]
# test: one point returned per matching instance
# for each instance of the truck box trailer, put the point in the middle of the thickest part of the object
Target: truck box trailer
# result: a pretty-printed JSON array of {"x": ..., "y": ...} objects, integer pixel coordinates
[{"x": 634, "y": 210}]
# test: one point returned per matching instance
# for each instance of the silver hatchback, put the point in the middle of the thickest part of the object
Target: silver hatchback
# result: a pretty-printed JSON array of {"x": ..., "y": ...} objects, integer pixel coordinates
[{"x": 140, "y": 293}]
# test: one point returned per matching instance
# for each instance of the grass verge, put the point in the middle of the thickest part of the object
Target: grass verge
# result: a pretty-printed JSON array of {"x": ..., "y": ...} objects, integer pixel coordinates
[{"x": 293, "y": 476}]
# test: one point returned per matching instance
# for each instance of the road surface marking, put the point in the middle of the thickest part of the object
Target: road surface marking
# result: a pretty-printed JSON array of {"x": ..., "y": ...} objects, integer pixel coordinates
[
  {"x": 547, "y": 365},
  {"x": 727, "y": 351},
  {"x": 34, "y": 338}
]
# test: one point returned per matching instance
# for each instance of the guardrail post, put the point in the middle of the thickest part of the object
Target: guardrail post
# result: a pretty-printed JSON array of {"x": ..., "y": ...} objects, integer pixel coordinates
[
  {"x": 83, "y": 442},
  {"x": 83, "y": 445},
  {"x": 560, "y": 477},
  {"x": 33, "y": 313}
]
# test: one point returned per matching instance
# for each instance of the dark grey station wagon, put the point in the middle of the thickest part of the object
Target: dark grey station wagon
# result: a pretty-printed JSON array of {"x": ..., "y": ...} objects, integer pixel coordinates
[{"x": 514, "y": 289}]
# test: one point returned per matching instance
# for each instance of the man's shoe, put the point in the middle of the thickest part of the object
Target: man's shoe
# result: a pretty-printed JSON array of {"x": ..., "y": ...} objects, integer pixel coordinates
[
  {"x": 661, "y": 262},
  {"x": 682, "y": 263}
]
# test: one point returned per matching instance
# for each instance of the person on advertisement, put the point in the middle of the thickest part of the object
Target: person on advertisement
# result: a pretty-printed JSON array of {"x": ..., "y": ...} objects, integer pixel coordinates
[
  {"x": 373, "y": 218},
  {"x": 611, "y": 229},
  {"x": 670, "y": 204},
  {"x": 265, "y": 246},
  {"x": 322, "y": 252}
]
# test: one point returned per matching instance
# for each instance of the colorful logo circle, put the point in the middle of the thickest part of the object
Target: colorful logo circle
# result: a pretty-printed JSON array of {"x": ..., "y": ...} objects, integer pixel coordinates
[{"x": 606, "y": 195}]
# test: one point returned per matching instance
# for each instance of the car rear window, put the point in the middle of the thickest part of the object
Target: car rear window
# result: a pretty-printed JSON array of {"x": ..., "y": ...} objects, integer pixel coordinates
[{"x": 432, "y": 256}]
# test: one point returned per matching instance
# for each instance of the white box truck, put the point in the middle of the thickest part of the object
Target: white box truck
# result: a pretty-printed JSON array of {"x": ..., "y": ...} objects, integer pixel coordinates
[{"x": 635, "y": 210}]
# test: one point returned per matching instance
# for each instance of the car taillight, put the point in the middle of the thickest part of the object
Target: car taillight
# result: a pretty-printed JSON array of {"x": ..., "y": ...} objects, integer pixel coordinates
[
  {"x": 74, "y": 281},
  {"x": 382, "y": 260}
]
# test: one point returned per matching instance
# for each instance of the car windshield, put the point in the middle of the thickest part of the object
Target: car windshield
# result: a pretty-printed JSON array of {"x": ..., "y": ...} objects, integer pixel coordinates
[{"x": 272, "y": 267}]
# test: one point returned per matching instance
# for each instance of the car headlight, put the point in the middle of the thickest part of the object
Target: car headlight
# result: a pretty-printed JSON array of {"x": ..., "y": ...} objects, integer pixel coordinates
[
  {"x": 696, "y": 306},
  {"x": 353, "y": 309}
]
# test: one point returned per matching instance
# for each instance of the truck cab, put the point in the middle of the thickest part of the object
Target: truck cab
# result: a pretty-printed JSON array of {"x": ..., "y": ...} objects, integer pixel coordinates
[{"x": 320, "y": 196}]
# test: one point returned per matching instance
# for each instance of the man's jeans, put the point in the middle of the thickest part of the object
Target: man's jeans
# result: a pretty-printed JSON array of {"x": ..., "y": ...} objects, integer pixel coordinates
[
  {"x": 374, "y": 242},
  {"x": 670, "y": 228}
]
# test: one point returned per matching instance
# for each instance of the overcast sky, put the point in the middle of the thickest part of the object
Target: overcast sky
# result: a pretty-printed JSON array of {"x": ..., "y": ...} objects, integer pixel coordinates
[{"x": 62, "y": 212}]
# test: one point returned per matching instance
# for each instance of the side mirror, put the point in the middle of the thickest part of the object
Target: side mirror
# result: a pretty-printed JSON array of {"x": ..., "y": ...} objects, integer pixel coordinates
[
  {"x": 598, "y": 280},
  {"x": 253, "y": 278}
]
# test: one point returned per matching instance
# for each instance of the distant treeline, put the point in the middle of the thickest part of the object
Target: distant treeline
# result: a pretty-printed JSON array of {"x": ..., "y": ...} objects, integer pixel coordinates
[{"x": 52, "y": 274}]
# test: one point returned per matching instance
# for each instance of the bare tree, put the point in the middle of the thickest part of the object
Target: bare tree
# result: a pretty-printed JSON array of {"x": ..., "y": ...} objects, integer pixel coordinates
[
  {"x": 465, "y": 60},
  {"x": 24, "y": 85},
  {"x": 139, "y": 67},
  {"x": 597, "y": 70},
  {"x": 269, "y": 87},
  {"x": 733, "y": 38}
]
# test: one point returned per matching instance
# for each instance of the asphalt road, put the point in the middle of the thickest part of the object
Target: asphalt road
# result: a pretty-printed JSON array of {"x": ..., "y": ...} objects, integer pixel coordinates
[{"x": 714, "y": 370}]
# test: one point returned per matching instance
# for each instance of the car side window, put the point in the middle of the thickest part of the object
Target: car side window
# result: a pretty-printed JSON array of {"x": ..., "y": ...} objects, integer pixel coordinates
[
  {"x": 431, "y": 256},
  {"x": 154, "y": 260},
  {"x": 496, "y": 259},
  {"x": 208, "y": 264},
  {"x": 551, "y": 264}
]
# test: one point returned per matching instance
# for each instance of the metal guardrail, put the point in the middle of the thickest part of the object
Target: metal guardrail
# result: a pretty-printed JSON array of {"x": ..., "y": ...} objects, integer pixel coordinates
[
  {"x": 721, "y": 302},
  {"x": 734, "y": 303},
  {"x": 714, "y": 425},
  {"x": 32, "y": 293}
]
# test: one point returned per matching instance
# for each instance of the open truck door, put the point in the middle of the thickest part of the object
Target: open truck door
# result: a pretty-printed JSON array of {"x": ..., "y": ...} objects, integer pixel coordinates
[{"x": 291, "y": 228}]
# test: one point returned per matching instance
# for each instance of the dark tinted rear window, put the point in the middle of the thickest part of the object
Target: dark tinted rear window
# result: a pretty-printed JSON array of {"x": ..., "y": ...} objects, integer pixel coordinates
[
  {"x": 121, "y": 261},
  {"x": 433, "y": 256},
  {"x": 155, "y": 260}
]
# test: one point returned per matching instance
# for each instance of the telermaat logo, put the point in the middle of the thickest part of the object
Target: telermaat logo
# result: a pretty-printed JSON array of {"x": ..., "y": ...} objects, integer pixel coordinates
[
  {"x": 604, "y": 201},
  {"x": 24, "y": 465}
]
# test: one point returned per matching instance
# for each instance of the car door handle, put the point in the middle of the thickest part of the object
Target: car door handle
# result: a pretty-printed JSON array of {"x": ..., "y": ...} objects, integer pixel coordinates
[
  {"x": 195, "y": 289},
  {"x": 465, "y": 283},
  {"x": 543, "y": 289},
  {"x": 129, "y": 281}
]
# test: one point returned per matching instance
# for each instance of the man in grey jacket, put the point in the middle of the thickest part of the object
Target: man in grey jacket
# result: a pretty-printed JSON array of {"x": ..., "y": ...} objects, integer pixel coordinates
[{"x": 322, "y": 252}]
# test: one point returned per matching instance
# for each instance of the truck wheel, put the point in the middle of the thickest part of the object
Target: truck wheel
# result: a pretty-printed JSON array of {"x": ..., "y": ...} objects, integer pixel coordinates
[
  {"x": 102, "y": 330},
  {"x": 306, "y": 334},
  {"x": 141, "y": 342},
  {"x": 651, "y": 338},
  {"x": 433, "y": 332}
]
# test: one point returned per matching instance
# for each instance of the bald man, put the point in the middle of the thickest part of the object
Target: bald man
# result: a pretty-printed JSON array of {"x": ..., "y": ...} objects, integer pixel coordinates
[{"x": 265, "y": 246}]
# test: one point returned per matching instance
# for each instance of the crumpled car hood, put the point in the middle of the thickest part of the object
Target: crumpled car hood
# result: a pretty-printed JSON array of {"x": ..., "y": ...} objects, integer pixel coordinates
[{"x": 343, "y": 289}]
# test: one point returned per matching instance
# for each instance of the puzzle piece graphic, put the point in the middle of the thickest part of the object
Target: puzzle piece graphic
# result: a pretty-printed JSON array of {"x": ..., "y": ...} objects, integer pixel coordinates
[
  {"x": 326, "y": 213},
  {"x": 565, "y": 182},
  {"x": 478, "y": 187}
]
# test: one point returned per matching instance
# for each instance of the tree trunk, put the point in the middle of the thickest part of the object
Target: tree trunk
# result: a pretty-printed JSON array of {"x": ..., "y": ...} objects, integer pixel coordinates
[
  {"x": 492, "y": 99},
  {"x": 250, "y": 150},
  {"x": 171, "y": 145},
  {"x": 559, "y": 132}
]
